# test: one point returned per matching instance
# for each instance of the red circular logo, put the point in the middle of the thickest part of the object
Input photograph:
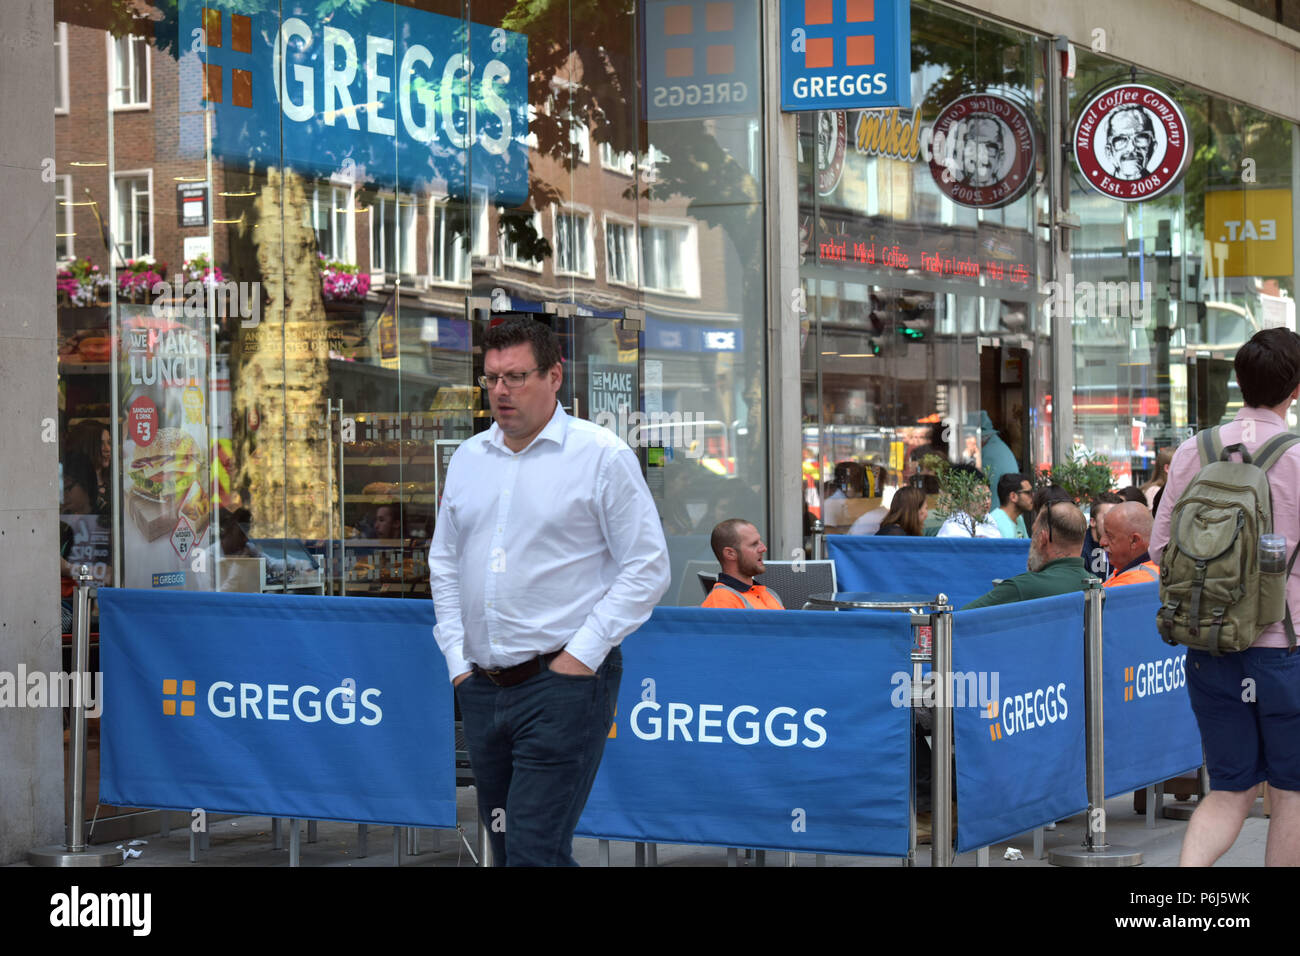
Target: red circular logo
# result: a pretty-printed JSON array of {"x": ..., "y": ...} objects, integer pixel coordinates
[
  {"x": 832, "y": 138},
  {"x": 1132, "y": 143},
  {"x": 983, "y": 149}
]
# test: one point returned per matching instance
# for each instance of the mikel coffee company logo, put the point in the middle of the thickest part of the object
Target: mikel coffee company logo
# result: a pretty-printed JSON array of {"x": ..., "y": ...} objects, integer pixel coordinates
[
  {"x": 1132, "y": 143},
  {"x": 249, "y": 701},
  {"x": 983, "y": 150},
  {"x": 832, "y": 138}
]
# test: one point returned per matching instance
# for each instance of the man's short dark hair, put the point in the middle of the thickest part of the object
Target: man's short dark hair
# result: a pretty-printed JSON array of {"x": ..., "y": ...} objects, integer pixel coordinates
[
  {"x": 1107, "y": 498},
  {"x": 1268, "y": 367},
  {"x": 1133, "y": 493},
  {"x": 968, "y": 469},
  {"x": 1008, "y": 485},
  {"x": 546, "y": 347},
  {"x": 726, "y": 534}
]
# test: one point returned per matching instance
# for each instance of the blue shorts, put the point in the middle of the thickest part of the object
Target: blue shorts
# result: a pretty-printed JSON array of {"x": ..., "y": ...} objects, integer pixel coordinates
[{"x": 1247, "y": 706}]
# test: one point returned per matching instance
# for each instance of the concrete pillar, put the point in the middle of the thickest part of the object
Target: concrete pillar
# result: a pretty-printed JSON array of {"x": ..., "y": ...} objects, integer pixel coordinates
[{"x": 31, "y": 749}]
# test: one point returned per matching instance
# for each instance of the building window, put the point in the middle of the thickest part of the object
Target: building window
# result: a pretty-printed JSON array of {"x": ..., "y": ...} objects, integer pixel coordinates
[
  {"x": 617, "y": 162},
  {"x": 129, "y": 71},
  {"x": 332, "y": 215},
  {"x": 448, "y": 249},
  {"x": 510, "y": 253},
  {"x": 573, "y": 249},
  {"x": 60, "y": 68},
  {"x": 668, "y": 259},
  {"x": 620, "y": 252},
  {"x": 133, "y": 216},
  {"x": 63, "y": 218},
  {"x": 392, "y": 234}
]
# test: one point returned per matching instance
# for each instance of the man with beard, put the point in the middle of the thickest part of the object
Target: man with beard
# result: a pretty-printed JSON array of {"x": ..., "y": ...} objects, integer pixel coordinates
[
  {"x": 1055, "y": 566},
  {"x": 739, "y": 550},
  {"x": 1130, "y": 141}
]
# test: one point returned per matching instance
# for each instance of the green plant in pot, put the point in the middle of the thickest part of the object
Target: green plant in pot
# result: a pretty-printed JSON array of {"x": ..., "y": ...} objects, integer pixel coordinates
[
  {"x": 963, "y": 493},
  {"x": 1083, "y": 477}
]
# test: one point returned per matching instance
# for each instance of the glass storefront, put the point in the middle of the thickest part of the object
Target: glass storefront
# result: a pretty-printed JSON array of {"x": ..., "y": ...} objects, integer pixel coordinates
[{"x": 282, "y": 233}]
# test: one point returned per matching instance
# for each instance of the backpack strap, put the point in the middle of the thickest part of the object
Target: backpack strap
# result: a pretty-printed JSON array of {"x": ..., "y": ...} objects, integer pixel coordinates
[
  {"x": 1209, "y": 445},
  {"x": 1267, "y": 454},
  {"x": 1286, "y": 620}
]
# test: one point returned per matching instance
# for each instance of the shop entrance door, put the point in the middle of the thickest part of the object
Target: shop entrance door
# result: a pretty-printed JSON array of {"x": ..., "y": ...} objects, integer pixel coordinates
[{"x": 1005, "y": 364}]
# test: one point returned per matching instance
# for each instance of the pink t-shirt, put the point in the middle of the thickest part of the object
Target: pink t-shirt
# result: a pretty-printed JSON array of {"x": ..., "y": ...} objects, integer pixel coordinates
[{"x": 1283, "y": 477}]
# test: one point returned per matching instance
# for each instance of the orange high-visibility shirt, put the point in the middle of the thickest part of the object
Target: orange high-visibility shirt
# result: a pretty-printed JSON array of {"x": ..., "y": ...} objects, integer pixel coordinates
[
  {"x": 757, "y": 598},
  {"x": 1139, "y": 574}
]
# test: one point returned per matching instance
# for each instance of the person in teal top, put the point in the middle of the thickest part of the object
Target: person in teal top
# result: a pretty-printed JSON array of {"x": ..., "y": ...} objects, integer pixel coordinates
[
  {"x": 996, "y": 457},
  {"x": 1015, "y": 500},
  {"x": 1055, "y": 566}
]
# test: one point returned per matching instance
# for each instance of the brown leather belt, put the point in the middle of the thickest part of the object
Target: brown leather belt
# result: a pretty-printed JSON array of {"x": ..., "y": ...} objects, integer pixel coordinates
[{"x": 511, "y": 676}]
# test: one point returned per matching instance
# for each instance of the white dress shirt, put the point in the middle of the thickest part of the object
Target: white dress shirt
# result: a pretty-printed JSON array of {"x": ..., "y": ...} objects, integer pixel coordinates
[
  {"x": 956, "y": 526},
  {"x": 558, "y": 546}
]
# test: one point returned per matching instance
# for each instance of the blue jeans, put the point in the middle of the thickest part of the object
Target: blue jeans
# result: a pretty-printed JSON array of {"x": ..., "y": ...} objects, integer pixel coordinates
[{"x": 534, "y": 749}]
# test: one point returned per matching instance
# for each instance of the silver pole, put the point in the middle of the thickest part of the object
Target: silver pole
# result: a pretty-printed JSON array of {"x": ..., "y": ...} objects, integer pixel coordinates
[
  {"x": 1095, "y": 851},
  {"x": 941, "y": 739},
  {"x": 74, "y": 851},
  {"x": 819, "y": 539}
]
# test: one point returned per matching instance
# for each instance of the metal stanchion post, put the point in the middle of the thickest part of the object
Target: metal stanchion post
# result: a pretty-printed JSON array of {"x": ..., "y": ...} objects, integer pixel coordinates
[
  {"x": 819, "y": 539},
  {"x": 941, "y": 794},
  {"x": 74, "y": 851},
  {"x": 1095, "y": 851},
  {"x": 484, "y": 845}
]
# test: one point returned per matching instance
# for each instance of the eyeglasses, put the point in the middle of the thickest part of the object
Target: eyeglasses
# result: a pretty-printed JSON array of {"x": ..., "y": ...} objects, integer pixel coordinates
[{"x": 512, "y": 379}]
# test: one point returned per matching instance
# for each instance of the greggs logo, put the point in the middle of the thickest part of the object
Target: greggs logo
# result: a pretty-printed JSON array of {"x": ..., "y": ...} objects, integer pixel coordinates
[
  {"x": 857, "y": 50},
  {"x": 1155, "y": 677},
  {"x": 241, "y": 41},
  {"x": 249, "y": 701},
  {"x": 169, "y": 698}
]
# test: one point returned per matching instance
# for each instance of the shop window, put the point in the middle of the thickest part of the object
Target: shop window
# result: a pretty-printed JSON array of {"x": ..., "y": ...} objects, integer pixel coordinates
[
  {"x": 621, "y": 162},
  {"x": 668, "y": 259},
  {"x": 620, "y": 251},
  {"x": 129, "y": 71},
  {"x": 332, "y": 216},
  {"x": 510, "y": 252},
  {"x": 133, "y": 215},
  {"x": 63, "y": 219},
  {"x": 392, "y": 234},
  {"x": 60, "y": 68},
  {"x": 448, "y": 252},
  {"x": 573, "y": 247}
]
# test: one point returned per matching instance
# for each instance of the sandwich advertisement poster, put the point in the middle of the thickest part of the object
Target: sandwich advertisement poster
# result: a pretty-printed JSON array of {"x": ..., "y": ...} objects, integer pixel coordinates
[{"x": 167, "y": 509}]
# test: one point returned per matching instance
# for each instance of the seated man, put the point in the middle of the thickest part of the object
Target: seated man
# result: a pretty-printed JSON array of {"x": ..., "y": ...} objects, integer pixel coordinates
[
  {"x": 739, "y": 550},
  {"x": 1055, "y": 566},
  {"x": 1015, "y": 500},
  {"x": 1125, "y": 533}
]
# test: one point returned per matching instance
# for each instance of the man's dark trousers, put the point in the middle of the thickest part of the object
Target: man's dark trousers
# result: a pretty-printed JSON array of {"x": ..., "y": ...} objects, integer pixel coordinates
[{"x": 534, "y": 749}]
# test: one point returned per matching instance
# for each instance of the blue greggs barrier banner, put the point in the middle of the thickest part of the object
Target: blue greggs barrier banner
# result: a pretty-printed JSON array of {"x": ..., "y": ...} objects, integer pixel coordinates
[
  {"x": 1018, "y": 718},
  {"x": 316, "y": 708},
  {"x": 1150, "y": 730},
  {"x": 400, "y": 95},
  {"x": 962, "y": 568},
  {"x": 776, "y": 730}
]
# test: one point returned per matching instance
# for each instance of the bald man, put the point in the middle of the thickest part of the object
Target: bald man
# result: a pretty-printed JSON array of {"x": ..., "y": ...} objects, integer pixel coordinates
[{"x": 1125, "y": 533}]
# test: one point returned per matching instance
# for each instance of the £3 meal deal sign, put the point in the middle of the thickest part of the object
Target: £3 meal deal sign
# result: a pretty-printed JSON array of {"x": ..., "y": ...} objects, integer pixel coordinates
[{"x": 845, "y": 54}]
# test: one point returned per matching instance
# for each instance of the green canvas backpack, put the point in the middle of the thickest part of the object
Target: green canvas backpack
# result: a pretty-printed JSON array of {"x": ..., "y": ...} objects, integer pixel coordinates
[{"x": 1213, "y": 596}]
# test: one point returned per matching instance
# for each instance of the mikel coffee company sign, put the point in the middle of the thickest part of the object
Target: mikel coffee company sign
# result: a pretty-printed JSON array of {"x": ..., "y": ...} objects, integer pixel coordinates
[
  {"x": 832, "y": 138},
  {"x": 1132, "y": 143},
  {"x": 983, "y": 150}
]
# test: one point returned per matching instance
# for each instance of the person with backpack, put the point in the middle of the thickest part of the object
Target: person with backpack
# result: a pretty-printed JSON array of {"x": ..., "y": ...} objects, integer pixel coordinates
[{"x": 1226, "y": 589}]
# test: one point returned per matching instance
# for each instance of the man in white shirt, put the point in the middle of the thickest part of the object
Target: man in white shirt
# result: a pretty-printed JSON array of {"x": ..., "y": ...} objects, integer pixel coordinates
[{"x": 547, "y": 552}]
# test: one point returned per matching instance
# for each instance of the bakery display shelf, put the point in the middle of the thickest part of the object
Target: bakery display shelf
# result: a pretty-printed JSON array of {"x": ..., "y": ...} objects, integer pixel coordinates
[
  {"x": 399, "y": 497},
  {"x": 387, "y": 461}
]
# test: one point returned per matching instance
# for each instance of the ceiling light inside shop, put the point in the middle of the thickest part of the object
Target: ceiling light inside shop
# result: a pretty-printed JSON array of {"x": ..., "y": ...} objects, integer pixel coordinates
[
  {"x": 237, "y": 195},
  {"x": 64, "y": 235},
  {"x": 830, "y": 353},
  {"x": 65, "y": 203},
  {"x": 228, "y": 222},
  {"x": 79, "y": 163},
  {"x": 190, "y": 179},
  {"x": 858, "y": 355}
]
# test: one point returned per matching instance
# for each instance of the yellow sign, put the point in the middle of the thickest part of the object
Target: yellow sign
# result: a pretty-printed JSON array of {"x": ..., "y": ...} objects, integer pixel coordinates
[
  {"x": 887, "y": 133},
  {"x": 192, "y": 402},
  {"x": 896, "y": 455},
  {"x": 1255, "y": 225}
]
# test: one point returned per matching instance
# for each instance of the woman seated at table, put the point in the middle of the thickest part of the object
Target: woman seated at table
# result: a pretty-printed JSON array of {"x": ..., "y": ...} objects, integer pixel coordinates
[{"x": 907, "y": 513}]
